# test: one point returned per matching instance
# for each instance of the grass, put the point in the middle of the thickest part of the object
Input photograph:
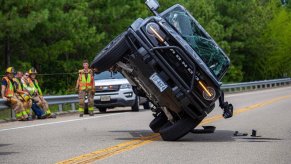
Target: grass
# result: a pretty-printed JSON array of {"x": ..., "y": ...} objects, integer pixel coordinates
[
  {"x": 5, "y": 114},
  {"x": 66, "y": 107}
]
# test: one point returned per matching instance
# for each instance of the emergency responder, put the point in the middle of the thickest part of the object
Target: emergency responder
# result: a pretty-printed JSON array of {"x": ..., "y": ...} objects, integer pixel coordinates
[
  {"x": 8, "y": 94},
  {"x": 22, "y": 95},
  {"x": 35, "y": 92},
  {"x": 85, "y": 87}
]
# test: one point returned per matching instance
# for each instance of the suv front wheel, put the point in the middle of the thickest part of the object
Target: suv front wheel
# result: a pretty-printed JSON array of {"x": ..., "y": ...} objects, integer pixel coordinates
[{"x": 173, "y": 131}]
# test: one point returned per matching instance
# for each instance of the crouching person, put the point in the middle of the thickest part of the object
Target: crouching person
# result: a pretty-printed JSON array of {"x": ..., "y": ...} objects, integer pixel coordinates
[
  {"x": 36, "y": 94},
  {"x": 35, "y": 108},
  {"x": 8, "y": 94}
]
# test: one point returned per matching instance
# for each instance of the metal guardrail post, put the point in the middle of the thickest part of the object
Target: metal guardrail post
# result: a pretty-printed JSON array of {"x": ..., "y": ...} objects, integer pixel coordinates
[
  {"x": 60, "y": 107},
  {"x": 73, "y": 106}
]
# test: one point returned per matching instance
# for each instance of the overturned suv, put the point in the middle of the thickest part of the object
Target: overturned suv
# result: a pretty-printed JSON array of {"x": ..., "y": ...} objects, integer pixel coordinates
[{"x": 170, "y": 59}]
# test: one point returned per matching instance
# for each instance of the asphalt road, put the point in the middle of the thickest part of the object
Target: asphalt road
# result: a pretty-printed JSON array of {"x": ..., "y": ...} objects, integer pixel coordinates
[{"x": 122, "y": 136}]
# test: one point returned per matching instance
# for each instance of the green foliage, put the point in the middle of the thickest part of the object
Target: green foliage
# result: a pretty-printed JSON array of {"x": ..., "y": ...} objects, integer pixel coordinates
[
  {"x": 277, "y": 38},
  {"x": 55, "y": 36}
]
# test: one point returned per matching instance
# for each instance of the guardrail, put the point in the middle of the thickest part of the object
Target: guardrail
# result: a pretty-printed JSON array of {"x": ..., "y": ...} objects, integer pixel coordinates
[
  {"x": 236, "y": 87},
  {"x": 256, "y": 85}
]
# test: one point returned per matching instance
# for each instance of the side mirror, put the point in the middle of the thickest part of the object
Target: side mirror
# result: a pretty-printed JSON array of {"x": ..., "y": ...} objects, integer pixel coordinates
[{"x": 153, "y": 5}]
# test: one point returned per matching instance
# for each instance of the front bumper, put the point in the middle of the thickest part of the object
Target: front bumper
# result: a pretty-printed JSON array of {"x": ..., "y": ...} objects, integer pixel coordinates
[{"x": 121, "y": 98}]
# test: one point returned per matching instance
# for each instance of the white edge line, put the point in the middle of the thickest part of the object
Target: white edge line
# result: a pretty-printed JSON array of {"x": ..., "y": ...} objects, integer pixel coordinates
[{"x": 52, "y": 123}]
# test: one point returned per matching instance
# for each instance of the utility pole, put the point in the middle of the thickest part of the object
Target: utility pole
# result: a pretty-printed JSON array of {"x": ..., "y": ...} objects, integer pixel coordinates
[{"x": 7, "y": 52}]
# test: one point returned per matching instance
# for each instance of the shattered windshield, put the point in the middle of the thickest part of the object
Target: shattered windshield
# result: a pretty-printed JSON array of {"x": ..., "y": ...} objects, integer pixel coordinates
[{"x": 203, "y": 45}]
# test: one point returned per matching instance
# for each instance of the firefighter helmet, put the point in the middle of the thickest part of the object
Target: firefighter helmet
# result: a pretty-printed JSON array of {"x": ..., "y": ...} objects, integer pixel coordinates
[
  {"x": 32, "y": 71},
  {"x": 10, "y": 70}
]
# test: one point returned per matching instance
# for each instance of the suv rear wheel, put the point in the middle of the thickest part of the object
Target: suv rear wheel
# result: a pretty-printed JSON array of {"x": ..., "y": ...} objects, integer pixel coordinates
[{"x": 111, "y": 54}]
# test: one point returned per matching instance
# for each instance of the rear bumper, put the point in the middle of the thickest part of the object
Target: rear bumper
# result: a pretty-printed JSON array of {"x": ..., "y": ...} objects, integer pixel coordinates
[{"x": 114, "y": 103}]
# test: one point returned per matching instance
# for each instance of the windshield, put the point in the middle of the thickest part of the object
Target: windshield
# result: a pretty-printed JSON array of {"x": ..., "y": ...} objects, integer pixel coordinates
[
  {"x": 108, "y": 75},
  {"x": 197, "y": 38}
]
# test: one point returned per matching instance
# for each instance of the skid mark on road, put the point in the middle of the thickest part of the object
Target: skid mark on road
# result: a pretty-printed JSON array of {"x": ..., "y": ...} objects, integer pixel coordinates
[{"x": 126, "y": 146}]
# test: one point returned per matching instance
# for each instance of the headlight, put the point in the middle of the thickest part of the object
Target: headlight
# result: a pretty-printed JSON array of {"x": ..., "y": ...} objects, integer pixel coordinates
[
  {"x": 125, "y": 86},
  {"x": 154, "y": 30},
  {"x": 208, "y": 92}
]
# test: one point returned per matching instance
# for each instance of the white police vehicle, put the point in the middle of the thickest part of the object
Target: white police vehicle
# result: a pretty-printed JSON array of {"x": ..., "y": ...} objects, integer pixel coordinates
[{"x": 113, "y": 90}]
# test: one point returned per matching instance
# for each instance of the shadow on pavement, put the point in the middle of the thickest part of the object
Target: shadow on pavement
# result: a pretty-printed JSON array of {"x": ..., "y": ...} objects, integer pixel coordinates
[
  {"x": 134, "y": 133},
  {"x": 217, "y": 136},
  {"x": 259, "y": 139}
]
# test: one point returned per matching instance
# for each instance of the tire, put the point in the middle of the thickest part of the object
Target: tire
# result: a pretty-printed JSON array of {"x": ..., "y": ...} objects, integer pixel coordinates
[
  {"x": 158, "y": 122},
  {"x": 111, "y": 54},
  {"x": 173, "y": 132},
  {"x": 102, "y": 110},
  {"x": 135, "y": 107}
]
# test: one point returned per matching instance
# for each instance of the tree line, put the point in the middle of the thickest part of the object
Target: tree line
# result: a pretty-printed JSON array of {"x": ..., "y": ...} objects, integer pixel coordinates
[{"x": 55, "y": 36}]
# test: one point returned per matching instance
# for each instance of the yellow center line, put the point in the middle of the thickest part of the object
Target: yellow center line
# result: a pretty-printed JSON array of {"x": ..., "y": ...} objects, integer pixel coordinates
[{"x": 135, "y": 143}]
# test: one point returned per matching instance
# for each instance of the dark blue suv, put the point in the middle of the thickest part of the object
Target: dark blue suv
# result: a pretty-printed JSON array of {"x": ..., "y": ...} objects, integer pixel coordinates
[{"x": 170, "y": 59}]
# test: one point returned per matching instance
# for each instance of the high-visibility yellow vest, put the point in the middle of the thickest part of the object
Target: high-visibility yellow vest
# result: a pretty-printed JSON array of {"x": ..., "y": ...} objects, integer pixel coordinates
[
  {"x": 86, "y": 83},
  {"x": 9, "y": 91},
  {"x": 18, "y": 84},
  {"x": 27, "y": 87},
  {"x": 34, "y": 84},
  {"x": 20, "y": 87}
]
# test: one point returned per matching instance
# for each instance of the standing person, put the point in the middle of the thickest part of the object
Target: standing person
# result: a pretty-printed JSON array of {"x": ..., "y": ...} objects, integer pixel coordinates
[
  {"x": 35, "y": 92},
  {"x": 8, "y": 94},
  {"x": 21, "y": 94},
  {"x": 85, "y": 87}
]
